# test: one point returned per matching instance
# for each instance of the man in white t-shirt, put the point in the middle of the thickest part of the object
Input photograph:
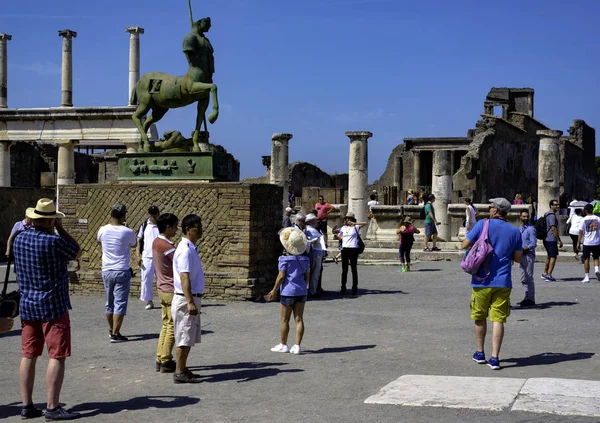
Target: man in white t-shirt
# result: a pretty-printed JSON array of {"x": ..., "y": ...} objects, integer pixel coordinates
[
  {"x": 147, "y": 234},
  {"x": 116, "y": 240},
  {"x": 589, "y": 235},
  {"x": 188, "y": 281}
]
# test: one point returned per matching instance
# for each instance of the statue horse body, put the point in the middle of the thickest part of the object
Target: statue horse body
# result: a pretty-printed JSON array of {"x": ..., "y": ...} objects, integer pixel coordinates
[{"x": 159, "y": 92}]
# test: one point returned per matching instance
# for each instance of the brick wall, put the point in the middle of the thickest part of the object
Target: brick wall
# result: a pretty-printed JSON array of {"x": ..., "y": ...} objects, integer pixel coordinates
[{"x": 239, "y": 247}]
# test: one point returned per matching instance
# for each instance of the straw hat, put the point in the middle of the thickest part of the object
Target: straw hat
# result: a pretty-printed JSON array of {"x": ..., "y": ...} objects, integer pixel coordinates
[
  {"x": 44, "y": 209},
  {"x": 407, "y": 219},
  {"x": 410, "y": 191},
  {"x": 293, "y": 240},
  {"x": 310, "y": 217},
  {"x": 351, "y": 216}
]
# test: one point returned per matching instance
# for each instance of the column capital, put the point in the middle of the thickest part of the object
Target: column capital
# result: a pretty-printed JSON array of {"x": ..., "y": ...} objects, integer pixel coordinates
[
  {"x": 279, "y": 136},
  {"x": 66, "y": 143},
  {"x": 359, "y": 135},
  {"x": 134, "y": 30},
  {"x": 549, "y": 133},
  {"x": 67, "y": 33},
  {"x": 5, "y": 145},
  {"x": 5, "y": 37}
]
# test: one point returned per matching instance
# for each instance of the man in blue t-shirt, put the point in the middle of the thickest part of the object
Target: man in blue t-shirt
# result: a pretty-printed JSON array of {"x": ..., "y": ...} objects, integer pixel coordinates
[{"x": 492, "y": 296}]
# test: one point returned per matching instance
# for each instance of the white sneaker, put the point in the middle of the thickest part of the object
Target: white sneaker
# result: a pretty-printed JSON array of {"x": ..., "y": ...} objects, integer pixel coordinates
[
  {"x": 282, "y": 348},
  {"x": 585, "y": 280},
  {"x": 295, "y": 349},
  {"x": 149, "y": 305}
]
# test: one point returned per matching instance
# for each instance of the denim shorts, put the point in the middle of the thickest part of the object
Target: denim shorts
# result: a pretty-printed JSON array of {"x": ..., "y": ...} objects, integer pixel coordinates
[
  {"x": 116, "y": 284},
  {"x": 430, "y": 229},
  {"x": 290, "y": 301}
]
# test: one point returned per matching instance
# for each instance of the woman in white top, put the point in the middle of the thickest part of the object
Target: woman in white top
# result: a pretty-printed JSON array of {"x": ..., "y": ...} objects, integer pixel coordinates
[
  {"x": 349, "y": 234},
  {"x": 575, "y": 221},
  {"x": 470, "y": 217}
]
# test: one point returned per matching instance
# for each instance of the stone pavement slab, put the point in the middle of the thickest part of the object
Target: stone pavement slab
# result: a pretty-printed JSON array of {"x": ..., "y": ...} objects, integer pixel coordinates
[
  {"x": 478, "y": 393},
  {"x": 413, "y": 323}
]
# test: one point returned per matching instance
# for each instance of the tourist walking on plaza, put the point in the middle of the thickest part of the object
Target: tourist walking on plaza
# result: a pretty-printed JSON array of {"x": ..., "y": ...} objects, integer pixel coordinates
[
  {"x": 286, "y": 222},
  {"x": 349, "y": 234},
  {"x": 492, "y": 294},
  {"x": 589, "y": 235},
  {"x": 188, "y": 283},
  {"x": 292, "y": 284},
  {"x": 147, "y": 234},
  {"x": 529, "y": 242},
  {"x": 410, "y": 199},
  {"x": 21, "y": 225},
  {"x": 163, "y": 251},
  {"x": 407, "y": 238},
  {"x": 42, "y": 256},
  {"x": 552, "y": 242},
  {"x": 430, "y": 225},
  {"x": 316, "y": 252},
  {"x": 117, "y": 240},
  {"x": 470, "y": 216},
  {"x": 574, "y": 222},
  {"x": 323, "y": 209}
]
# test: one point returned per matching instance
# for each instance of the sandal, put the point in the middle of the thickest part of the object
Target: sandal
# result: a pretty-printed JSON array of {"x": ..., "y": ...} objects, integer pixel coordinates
[
  {"x": 426, "y": 250},
  {"x": 435, "y": 249}
]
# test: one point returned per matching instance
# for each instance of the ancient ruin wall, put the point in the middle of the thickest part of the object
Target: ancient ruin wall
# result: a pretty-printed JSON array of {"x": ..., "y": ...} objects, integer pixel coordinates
[{"x": 239, "y": 247}]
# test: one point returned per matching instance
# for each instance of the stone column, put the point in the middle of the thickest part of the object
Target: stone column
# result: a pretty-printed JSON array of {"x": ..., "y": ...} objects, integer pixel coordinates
[
  {"x": 67, "y": 67},
  {"x": 417, "y": 170},
  {"x": 358, "y": 174},
  {"x": 441, "y": 187},
  {"x": 5, "y": 164},
  {"x": 548, "y": 169},
  {"x": 66, "y": 162},
  {"x": 266, "y": 161},
  {"x": 134, "y": 58},
  {"x": 4, "y": 38},
  {"x": 280, "y": 162},
  {"x": 131, "y": 146}
]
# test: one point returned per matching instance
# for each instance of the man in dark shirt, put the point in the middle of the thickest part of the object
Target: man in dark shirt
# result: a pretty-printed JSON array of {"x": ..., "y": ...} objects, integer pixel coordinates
[
  {"x": 286, "y": 222},
  {"x": 552, "y": 241},
  {"x": 41, "y": 258}
]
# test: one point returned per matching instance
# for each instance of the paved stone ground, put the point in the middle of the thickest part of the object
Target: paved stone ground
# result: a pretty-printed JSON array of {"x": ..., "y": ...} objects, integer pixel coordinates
[{"x": 401, "y": 324}]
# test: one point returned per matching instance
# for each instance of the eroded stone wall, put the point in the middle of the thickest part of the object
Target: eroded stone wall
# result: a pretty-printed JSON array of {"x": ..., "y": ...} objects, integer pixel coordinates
[{"x": 239, "y": 247}]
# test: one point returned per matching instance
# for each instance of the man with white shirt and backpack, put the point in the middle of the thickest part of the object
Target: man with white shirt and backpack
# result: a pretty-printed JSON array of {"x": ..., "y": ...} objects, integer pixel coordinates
[{"x": 589, "y": 235}]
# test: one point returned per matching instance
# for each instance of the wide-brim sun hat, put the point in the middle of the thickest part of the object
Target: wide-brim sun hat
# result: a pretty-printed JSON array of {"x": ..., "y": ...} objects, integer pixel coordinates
[
  {"x": 351, "y": 216},
  {"x": 293, "y": 240},
  {"x": 407, "y": 219},
  {"x": 44, "y": 209},
  {"x": 310, "y": 217}
]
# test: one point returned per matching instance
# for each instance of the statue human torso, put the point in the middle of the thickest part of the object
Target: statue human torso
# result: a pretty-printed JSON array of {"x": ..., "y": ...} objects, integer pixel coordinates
[{"x": 200, "y": 55}]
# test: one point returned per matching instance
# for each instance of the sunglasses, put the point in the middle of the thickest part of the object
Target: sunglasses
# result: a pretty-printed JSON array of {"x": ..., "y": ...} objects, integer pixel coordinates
[{"x": 491, "y": 207}]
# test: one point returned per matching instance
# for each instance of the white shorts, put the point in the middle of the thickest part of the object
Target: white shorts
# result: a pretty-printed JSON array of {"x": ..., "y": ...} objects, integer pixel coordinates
[{"x": 186, "y": 327}]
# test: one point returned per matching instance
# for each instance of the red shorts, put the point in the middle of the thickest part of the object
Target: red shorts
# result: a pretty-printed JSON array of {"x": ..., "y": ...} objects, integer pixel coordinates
[{"x": 56, "y": 334}]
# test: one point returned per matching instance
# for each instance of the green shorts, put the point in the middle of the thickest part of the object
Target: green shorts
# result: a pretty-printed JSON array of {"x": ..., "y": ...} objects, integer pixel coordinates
[{"x": 496, "y": 301}]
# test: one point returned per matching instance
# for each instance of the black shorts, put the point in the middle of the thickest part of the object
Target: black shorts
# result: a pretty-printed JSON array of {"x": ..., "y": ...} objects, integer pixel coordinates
[
  {"x": 551, "y": 248},
  {"x": 322, "y": 226},
  {"x": 594, "y": 250}
]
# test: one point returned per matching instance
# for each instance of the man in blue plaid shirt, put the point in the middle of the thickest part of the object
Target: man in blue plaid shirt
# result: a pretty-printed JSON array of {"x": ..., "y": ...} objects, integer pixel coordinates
[{"x": 41, "y": 259}]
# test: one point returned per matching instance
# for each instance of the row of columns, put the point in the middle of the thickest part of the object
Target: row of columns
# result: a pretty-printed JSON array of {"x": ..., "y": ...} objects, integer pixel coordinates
[{"x": 358, "y": 169}]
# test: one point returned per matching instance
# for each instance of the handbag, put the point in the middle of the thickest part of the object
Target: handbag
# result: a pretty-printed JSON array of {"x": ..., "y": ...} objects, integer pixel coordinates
[
  {"x": 359, "y": 242},
  {"x": 9, "y": 303}
]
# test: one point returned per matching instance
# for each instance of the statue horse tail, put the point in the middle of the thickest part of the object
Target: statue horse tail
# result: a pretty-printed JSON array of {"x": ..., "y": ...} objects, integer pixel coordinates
[{"x": 134, "y": 99}]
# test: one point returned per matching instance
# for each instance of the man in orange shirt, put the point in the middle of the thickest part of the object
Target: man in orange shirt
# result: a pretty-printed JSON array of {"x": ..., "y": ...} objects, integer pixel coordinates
[
  {"x": 163, "y": 250},
  {"x": 323, "y": 209}
]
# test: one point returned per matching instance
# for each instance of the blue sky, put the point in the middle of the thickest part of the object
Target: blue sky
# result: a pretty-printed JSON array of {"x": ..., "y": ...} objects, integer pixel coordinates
[{"x": 318, "y": 68}]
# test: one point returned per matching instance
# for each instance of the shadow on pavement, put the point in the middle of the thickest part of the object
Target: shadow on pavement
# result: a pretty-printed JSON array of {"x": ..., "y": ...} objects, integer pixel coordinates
[
  {"x": 426, "y": 270},
  {"x": 555, "y": 304},
  {"x": 242, "y": 365},
  {"x": 143, "y": 337},
  {"x": 13, "y": 332},
  {"x": 137, "y": 403},
  {"x": 339, "y": 349},
  {"x": 245, "y": 375},
  {"x": 545, "y": 359},
  {"x": 377, "y": 292},
  {"x": 213, "y": 305},
  {"x": 10, "y": 410}
]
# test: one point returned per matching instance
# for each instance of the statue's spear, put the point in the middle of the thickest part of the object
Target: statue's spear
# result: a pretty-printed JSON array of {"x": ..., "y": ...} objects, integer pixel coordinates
[{"x": 190, "y": 9}]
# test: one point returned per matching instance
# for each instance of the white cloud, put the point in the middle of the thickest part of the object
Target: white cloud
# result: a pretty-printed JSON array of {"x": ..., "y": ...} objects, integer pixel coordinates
[{"x": 46, "y": 68}]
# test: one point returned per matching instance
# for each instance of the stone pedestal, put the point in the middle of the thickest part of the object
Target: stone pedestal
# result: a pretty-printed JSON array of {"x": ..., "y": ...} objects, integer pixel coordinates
[
  {"x": 4, "y": 164},
  {"x": 358, "y": 174},
  {"x": 67, "y": 67},
  {"x": 441, "y": 187},
  {"x": 131, "y": 146},
  {"x": 4, "y": 38},
  {"x": 398, "y": 172},
  {"x": 280, "y": 162},
  {"x": 134, "y": 58},
  {"x": 548, "y": 169},
  {"x": 66, "y": 162}
]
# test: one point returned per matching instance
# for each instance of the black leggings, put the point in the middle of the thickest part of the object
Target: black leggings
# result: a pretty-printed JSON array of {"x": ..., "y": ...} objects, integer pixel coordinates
[
  {"x": 575, "y": 238},
  {"x": 350, "y": 256},
  {"x": 405, "y": 252}
]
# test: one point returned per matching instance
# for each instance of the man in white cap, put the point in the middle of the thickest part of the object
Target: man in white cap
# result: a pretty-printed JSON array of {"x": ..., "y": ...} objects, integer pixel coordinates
[
  {"x": 315, "y": 252},
  {"x": 41, "y": 258},
  {"x": 491, "y": 294}
]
